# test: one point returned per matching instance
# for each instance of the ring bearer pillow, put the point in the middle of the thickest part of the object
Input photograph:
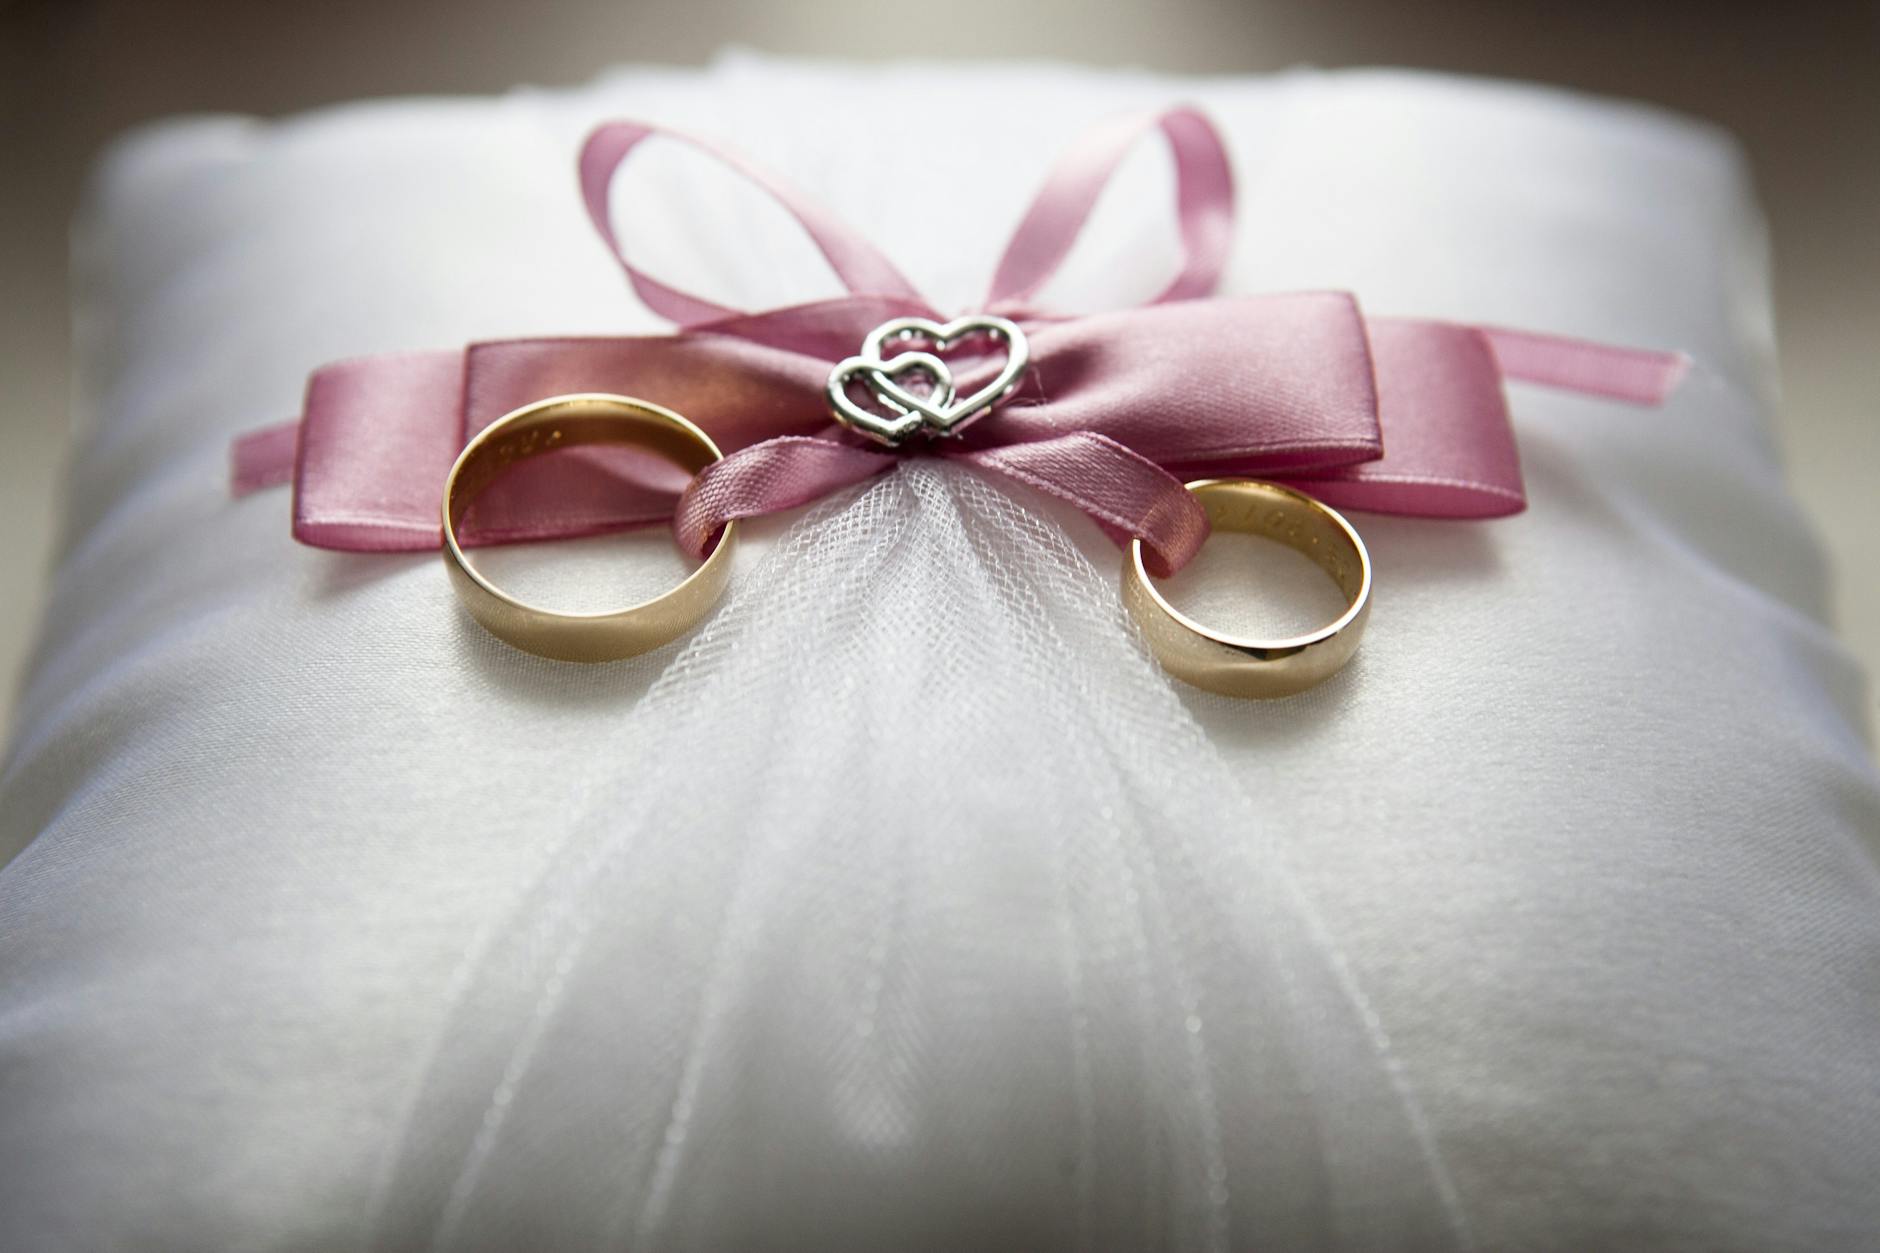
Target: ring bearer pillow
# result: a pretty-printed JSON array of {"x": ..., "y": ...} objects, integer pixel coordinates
[{"x": 906, "y": 903}]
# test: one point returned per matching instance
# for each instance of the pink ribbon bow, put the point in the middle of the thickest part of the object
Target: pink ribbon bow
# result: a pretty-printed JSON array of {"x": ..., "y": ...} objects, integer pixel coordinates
[{"x": 1114, "y": 412}]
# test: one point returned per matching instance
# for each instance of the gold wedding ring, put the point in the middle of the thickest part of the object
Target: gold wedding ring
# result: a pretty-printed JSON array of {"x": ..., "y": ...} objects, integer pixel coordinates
[
  {"x": 1235, "y": 666},
  {"x": 568, "y": 422}
]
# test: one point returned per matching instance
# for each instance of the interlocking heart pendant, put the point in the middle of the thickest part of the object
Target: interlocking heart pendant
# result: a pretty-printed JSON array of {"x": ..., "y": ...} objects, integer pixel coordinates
[{"x": 940, "y": 411}]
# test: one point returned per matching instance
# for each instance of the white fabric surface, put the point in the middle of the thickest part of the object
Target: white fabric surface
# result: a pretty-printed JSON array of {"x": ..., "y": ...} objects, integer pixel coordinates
[{"x": 906, "y": 905}]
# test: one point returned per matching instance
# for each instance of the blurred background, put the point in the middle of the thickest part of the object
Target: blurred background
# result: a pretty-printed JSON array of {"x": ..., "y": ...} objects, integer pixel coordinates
[{"x": 1799, "y": 82}]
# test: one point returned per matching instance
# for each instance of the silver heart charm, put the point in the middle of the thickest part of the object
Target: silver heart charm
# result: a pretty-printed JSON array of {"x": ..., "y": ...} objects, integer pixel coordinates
[
  {"x": 940, "y": 412},
  {"x": 881, "y": 379}
]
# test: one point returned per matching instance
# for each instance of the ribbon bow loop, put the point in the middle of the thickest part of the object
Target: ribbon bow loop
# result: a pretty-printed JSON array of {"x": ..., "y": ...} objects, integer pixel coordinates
[
  {"x": 862, "y": 269},
  {"x": 1204, "y": 206}
]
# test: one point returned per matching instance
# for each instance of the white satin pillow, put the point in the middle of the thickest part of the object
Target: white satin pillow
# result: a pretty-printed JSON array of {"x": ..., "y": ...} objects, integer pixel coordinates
[{"x": 1550, "y": 924}]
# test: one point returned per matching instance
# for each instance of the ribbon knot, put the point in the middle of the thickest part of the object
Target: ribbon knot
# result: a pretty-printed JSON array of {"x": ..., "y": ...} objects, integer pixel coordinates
[{"x": 1110, "y": 412}]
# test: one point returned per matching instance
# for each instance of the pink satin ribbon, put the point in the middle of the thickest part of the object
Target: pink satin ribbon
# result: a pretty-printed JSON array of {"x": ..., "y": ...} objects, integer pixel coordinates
[{"x": 1116, "y": 410}]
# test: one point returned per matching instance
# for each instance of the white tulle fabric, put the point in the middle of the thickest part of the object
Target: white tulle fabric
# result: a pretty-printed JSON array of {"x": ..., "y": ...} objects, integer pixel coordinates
[
  {"x": 913, "y": 970},
  {"x": 906, "y": 905}
]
